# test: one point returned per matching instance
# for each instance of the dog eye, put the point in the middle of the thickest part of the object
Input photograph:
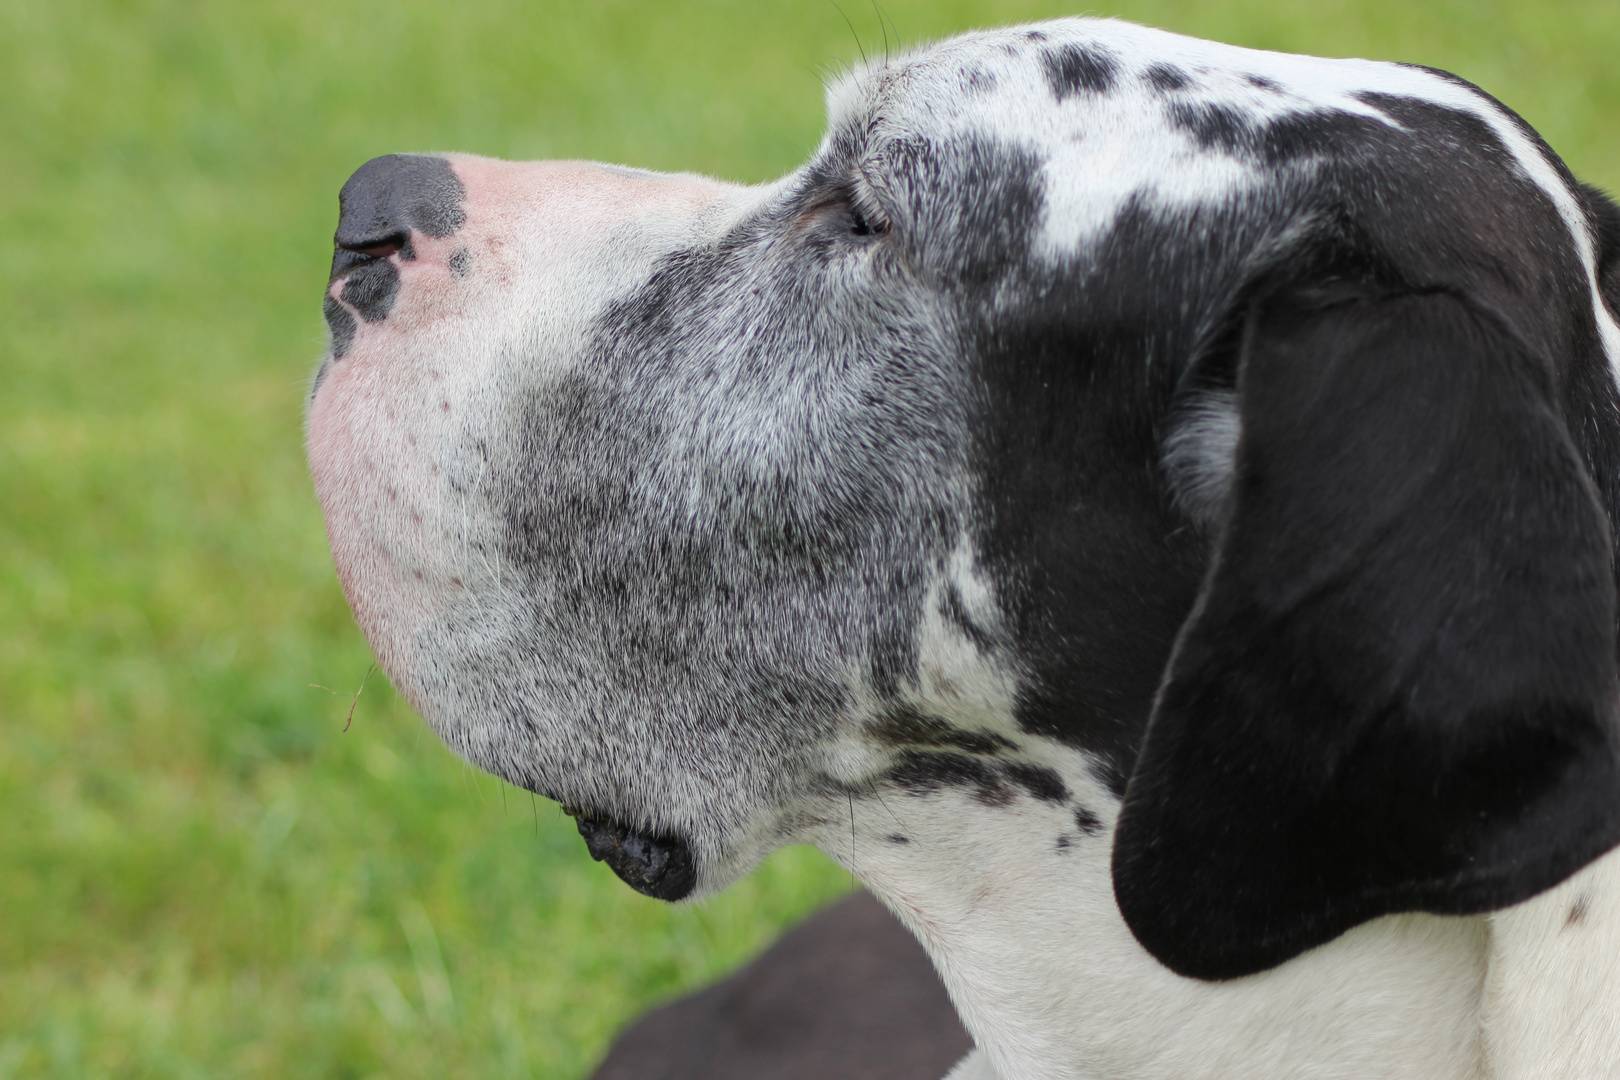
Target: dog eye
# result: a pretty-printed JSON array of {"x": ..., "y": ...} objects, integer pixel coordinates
[
  {"x": 861, "y": 225},
  {"x": 841, "y": 212}
]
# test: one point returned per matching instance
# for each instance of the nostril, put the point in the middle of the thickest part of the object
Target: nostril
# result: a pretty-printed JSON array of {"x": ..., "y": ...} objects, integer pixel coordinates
[
  {"x": 348, "y": 256},
  {"x": 380, "y": 250}
]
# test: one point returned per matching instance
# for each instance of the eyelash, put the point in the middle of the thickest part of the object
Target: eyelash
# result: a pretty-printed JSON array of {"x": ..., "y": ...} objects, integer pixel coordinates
[
  {"x": 861, "y": 225},
  {"x": 864, "y": 222}
]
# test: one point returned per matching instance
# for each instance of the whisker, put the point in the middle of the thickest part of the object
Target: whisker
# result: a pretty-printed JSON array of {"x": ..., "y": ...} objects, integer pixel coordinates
[
  {"x": 851, "y": 796},
  {"x": 852, "y": 32}
]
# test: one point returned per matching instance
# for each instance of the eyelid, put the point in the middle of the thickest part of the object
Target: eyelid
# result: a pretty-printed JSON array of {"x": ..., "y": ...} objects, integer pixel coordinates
[
  {"x": 869, "y": 192},
  {"x": 869, "y": 209},
  {"x": 858, "y": 204}
]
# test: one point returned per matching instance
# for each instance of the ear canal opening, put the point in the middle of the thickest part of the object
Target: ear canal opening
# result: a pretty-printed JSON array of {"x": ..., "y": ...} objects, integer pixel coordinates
[{"x": 1397, "y": 690}]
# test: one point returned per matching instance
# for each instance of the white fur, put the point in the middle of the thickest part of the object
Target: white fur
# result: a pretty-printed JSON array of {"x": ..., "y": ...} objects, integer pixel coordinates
[
  {"x": 1552, "y": 998},
  {"x": 1015, "y": 905},
  {"x": 1051, "y": 984}
]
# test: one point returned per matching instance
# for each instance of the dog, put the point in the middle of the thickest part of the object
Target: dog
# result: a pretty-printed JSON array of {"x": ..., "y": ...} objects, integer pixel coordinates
[
  {"x": 848, "y": 993},
  {"x": 1145, "y": 506}
]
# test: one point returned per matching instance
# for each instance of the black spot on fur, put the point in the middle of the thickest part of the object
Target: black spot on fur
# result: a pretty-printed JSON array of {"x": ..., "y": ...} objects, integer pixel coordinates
[
  {"x": 927, "y": 774},
  {"x": 896, "y": 838},
  {"x": 1080, "y": 69},
  {"x": 1260, "y": 82},
  {"x": 460, "y": 262},
  {"x": 1088, "y": 822},
  {"x": 1064, "y": 843},
  {"x": 371, "y": 289},
  {"x": 978, "y": 81},
  {"x": 1578, "y": 911},
  {"x": 903, "y": 725},
  {"x": 1035, "y": 35},
  {"x": 1043, "y": 783},
  {"x": 1166, "y": 77},
  {"x": 341, "y": 323},
  {"x": 1216, "y": 127}
]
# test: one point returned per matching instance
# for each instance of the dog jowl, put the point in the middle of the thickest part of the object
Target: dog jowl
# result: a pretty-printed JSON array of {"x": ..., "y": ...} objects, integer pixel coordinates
[{"x": 1144, "y": 505}]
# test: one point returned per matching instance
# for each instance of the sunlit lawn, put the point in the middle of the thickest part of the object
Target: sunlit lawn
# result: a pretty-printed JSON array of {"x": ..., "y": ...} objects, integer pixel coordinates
[{"x": 201, "y": 872}]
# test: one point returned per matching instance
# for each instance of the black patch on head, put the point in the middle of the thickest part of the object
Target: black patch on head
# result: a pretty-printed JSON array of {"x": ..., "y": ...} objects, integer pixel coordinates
[
  {"x": 1218, "y": 127},
  {"x": 927, "y": 774},
  {"x": 341, "y": 324},
  {"x": 371, "y": 289},
  {"x": 1079, "y": 69},
  {"x": 460, "y": 262},
  {"x": 1087, "y": 822},
  {"x": 1166, "y": 77},
  {"x": 975, "y": 205},
  {"x": 1077, "y": 380},
  {"x": 1324, "y": 133},
  {"x": 1043, "y": 783},
  {"x": 1260, "y": 82},
  {"x": 903, "y": 725}
]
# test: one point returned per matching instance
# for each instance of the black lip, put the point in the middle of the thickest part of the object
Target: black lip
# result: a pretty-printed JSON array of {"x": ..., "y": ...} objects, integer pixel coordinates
[{"x": 656, "y": 866}]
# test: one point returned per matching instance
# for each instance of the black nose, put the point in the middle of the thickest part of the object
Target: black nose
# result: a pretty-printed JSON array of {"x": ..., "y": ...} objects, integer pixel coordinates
[{"x": 386, "y": 199}]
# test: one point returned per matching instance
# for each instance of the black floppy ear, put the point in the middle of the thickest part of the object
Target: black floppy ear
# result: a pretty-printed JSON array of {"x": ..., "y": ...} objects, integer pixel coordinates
[{"x": 1397, "y": 690}]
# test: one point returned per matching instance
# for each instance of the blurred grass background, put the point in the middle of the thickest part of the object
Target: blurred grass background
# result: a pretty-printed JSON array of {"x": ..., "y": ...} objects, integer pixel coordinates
[{"x": 201, "y": 873}]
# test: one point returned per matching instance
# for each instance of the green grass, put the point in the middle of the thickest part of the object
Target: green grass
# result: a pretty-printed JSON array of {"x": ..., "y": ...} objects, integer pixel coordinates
[{"x": 201, "y": 873}]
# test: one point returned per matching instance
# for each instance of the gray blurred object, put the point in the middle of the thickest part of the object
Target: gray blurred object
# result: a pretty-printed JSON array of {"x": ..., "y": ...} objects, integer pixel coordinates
[{"x": 848, "y": 993}]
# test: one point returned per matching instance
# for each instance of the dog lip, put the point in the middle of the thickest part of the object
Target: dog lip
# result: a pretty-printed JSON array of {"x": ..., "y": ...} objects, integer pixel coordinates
[{"x": 656, "y": 866}]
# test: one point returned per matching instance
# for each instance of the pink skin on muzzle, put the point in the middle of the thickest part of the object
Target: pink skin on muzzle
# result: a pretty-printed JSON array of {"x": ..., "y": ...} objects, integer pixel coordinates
[{"x": 508, "y": 296}]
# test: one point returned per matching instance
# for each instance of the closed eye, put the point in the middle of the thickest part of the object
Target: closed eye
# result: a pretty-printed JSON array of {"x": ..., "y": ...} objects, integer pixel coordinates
[
  {"x": 861, "y": 225},
  {"x": 844, "y": 212}
]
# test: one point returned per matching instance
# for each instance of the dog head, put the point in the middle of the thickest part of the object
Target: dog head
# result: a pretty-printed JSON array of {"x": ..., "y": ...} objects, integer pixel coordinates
[{"x": 1213, "y": 440}]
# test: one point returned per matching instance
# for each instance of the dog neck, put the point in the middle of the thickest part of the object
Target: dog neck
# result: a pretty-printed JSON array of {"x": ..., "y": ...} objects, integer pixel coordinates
[
  {"x": 1014, "y": 902},
  {"x": 1552, "y": 995}
]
